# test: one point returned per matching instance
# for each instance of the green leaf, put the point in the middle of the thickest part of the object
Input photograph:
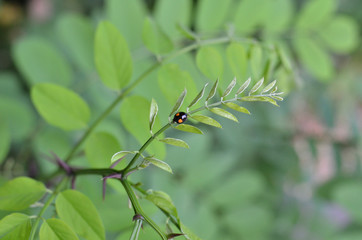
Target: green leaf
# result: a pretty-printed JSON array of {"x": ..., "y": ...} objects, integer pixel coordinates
[
  {"x": 39, "y": 61},
  {"x": 237, "y": 58},
  {"x": 179, "y": 102},
  {"x": 223, "y": 113},
  {"x": 314, "y": 58},
  {"x": 77, "y": 33},
  {"x": 213, "y": 90},
  {"x": 18, "y": 114},
  {"x": 123, "y": 12},
  {"x": 99, "y": 148},
  {"x": 256, "y": 61},
  {"x": 121, "y": 154},
  {"x": 341, "y": 34},
  {"x": 172, "y": 80},
  {"x": 163, "y": 201},
  {"x": 229, "y": 88},
  {"x": 243, "y": 87},
  {"x": 211, "y": 14},
  {"x": 160, "y": 164},
  {"x": 56, "y": 229},
  {"x": 278, "y": 98},
  {"x": 270, "y": 65},
  {"x": 5, "y": 140},
  {"x": 172, "y": 13},
  {"x": 188, "y": 128},
  {"x": 60, "y": 107},
  {"x": 210, "y": 62},
  {"x": 112, "y": 56},
  {"x": 78, "y": 211},
  {"x": 236, "y": 107},
  {"x": 315, "y": 13},
  {"x": 279, "y": 16},
  {"x": 259, "y": 99},
  {"x": 186, "y": 32},
  {"x": 256, "y": 86},
  {"x": 135, "y": 118},
  {"x": 175, "y": 142},
  {"x": 198, "y": 97},
  {"x": 249, "y": 14},
  {"x": 153, "y": 113},
  {"x": 269, "y": 86},
  {"x": 15, "y": 226},
  {"x": 284, "y": 56},
  {"x": 188, "y": 233},
  {"x": 20, "y": 193},
  {"x": 206, "y": 120},
  {"x": 154, "y": 38}
]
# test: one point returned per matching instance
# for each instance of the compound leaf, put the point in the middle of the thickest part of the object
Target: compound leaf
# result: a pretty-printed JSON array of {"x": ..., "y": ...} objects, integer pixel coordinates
[
  {"x": 179, "y": 102},
  {"x": 15, "y": 226},
  {"x": 244, "y": 86},
  {"x": 56, "y": 229},
  {"x": 112, "y": 56},
  {"x": 175, "y": 142},
  {"x": 236, "y": 107},
  {"x": 154, "y": 38},
  {"x": 256, "y": 86},
  {"x": 153, "y": 113},
  {"x": 78, "y": 211},
  {"x": 314, "y": 58},
  {"x": 198, "y": 97},
  {"x": 160, "y": 164},
  {"x": 39, "y": 61},
  {"x": 223, "y": 113},
  {"x": 188, "y": 128},
  {"x": 210, "y": 62},
  {"x": 206, "y": 120},
  {"x": 213, "y": 90},
  {"x": 60, "y": 107},
  {"x": 163, "y": 201},
  {"x": 229, "y": 88},
  {"x": 19, "y": 193}
]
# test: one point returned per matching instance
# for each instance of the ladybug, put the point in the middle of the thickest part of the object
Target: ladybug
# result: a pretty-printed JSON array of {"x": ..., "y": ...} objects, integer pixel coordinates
[{"x": 180, "y": 117}]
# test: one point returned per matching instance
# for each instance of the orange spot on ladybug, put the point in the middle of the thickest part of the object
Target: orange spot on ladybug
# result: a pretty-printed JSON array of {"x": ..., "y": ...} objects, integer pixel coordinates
[
  {"x": 177, "y": 114},
  {"x": 180, "y": 121}
]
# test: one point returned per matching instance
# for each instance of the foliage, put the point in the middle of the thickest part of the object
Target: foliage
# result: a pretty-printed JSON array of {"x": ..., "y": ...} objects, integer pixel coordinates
[{"x": 108, "y": 85}]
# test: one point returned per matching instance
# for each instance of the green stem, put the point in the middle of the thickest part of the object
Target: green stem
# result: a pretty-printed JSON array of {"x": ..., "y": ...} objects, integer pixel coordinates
[
  {"x": 136, "y": 229},
  {"x": 138, "y": 210},
  {"x": 143, "y": 148},
  {"x": 128, "y": 89},
  {"x": 212, "y": 105},
  {"x": 96, "y": 171},
  {"x": 44, "y": 208},
  {"x": 144, "y": 192}
]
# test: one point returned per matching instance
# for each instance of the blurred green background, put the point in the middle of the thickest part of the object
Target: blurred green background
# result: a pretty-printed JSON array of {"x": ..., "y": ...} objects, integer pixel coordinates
[{"x": 292, "y": 172}]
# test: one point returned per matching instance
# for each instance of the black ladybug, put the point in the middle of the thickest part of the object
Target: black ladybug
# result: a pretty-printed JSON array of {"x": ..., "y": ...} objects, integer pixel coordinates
[{"x": 180, "y": 117}]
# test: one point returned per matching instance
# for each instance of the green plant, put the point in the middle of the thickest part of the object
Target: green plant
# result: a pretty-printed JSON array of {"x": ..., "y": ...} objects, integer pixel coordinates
[{"x": 54, "y": 96}]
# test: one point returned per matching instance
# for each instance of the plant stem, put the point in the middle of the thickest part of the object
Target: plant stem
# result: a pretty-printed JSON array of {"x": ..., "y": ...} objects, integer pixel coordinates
[
  {"x": 138, "y": 210},
  {"x": 96, "y": 171},
  {"x": 143, "y": 148},
  {"x": 44, "y": 208},
  {"x": 128, "y": 89},
  {"x": 212, "y": 105},
  {"x": 144, "y": 192}
]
